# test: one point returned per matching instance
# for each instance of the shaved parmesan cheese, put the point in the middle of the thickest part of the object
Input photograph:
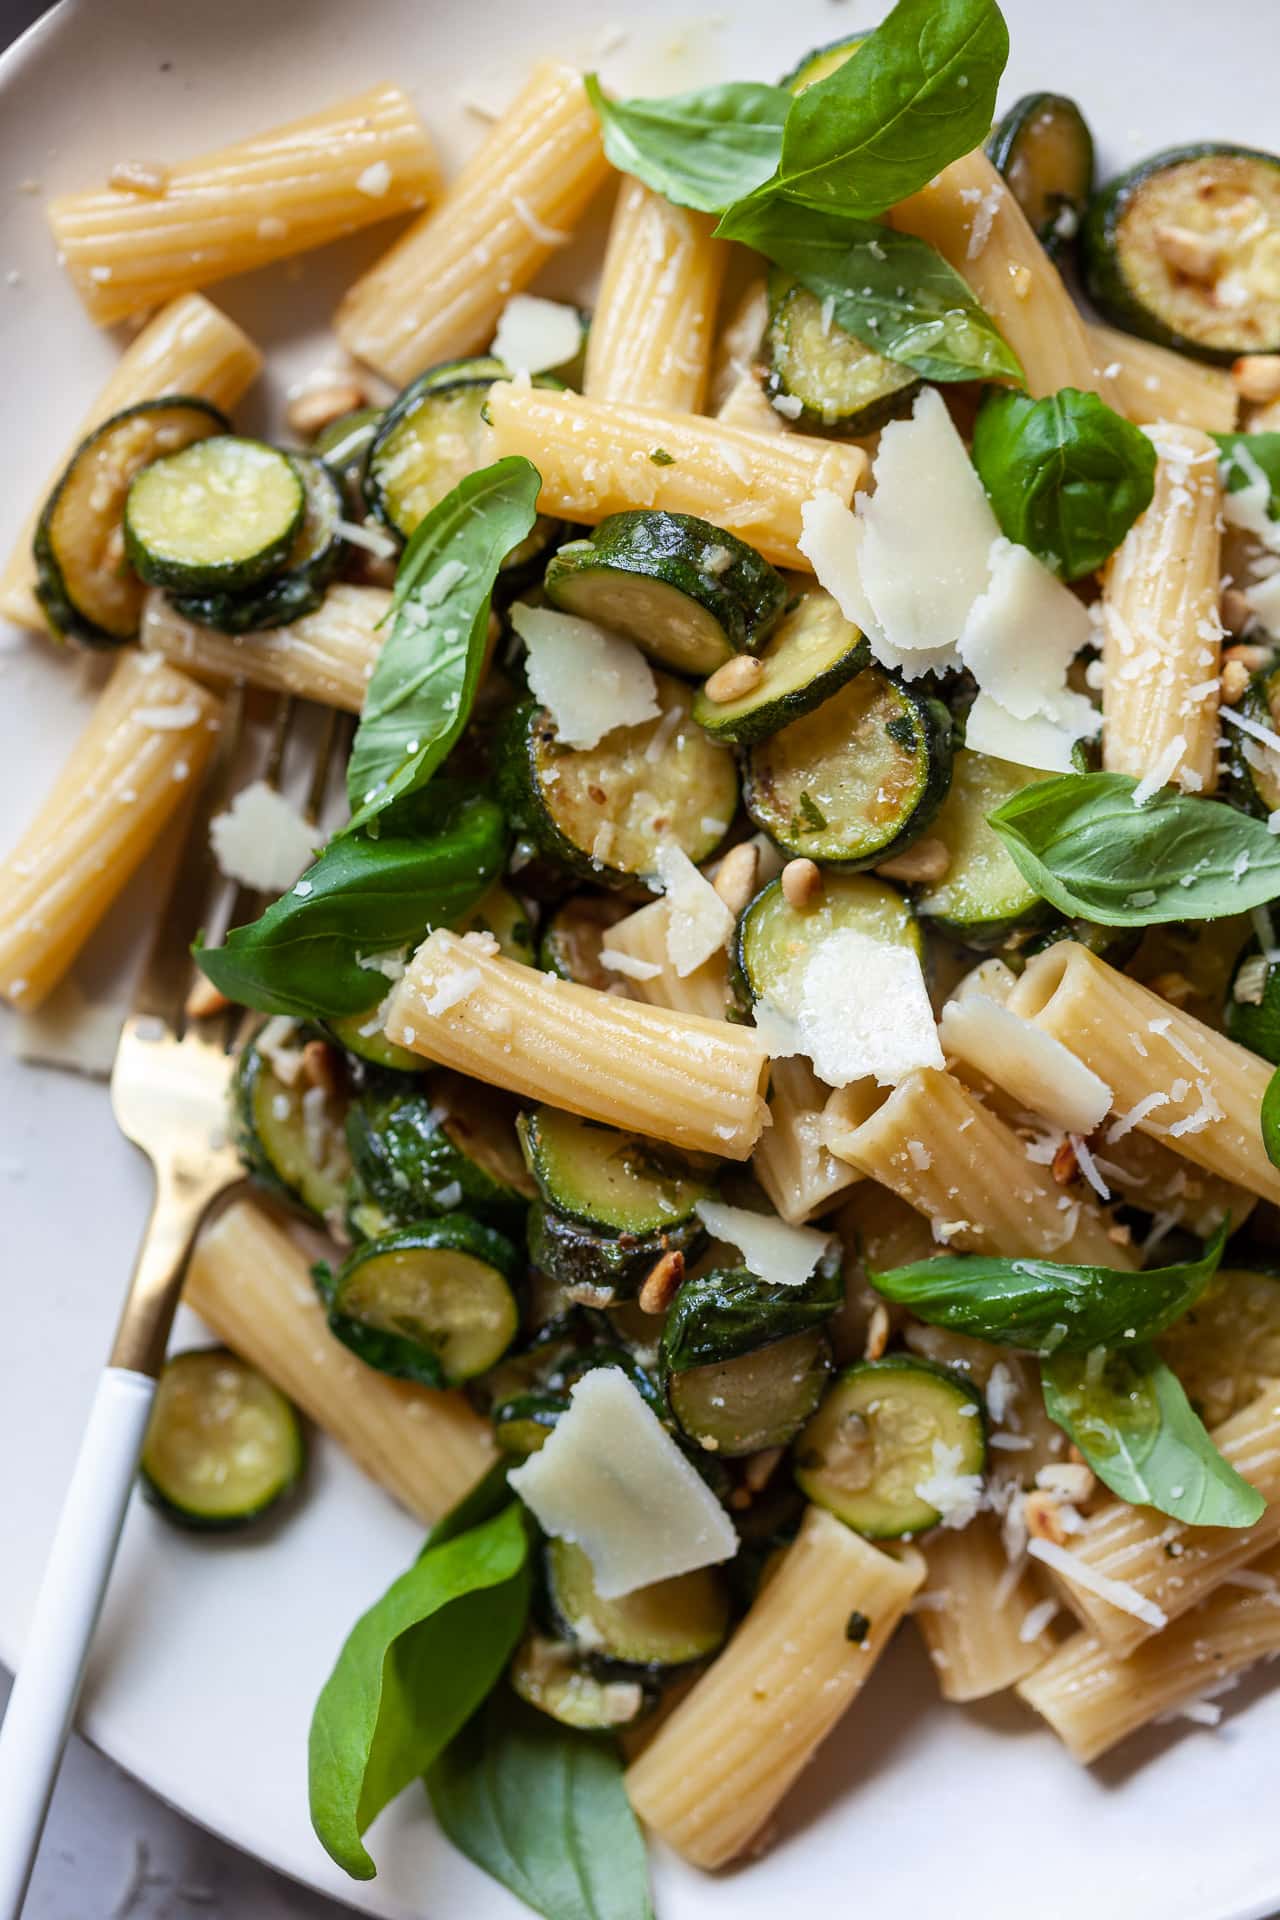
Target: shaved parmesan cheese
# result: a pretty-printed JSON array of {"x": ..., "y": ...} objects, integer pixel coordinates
[
  {"x": 864, "y": 1011},
  {"x": 780, "y": 1255},
  {"x": 778, "y": 1030},
  {"x": 698, "y": 921},
  {"x": 263, "y": 841},
  {"x": 535, "y": 334},
  {"x": 1022, "y": 632},
  {"x": 612, "y": 1480},
  {"x": 1038, "y": 742},
  {"x": 589, "y": 681},
  {"x": 1027, "y": 1062},
  {"x": 1117, "y": 1593},
  {"x": 627, "y": 964}
]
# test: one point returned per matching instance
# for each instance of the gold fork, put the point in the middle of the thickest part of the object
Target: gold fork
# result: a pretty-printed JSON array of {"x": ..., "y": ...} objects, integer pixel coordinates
[{"x": 169, "y": 1090}]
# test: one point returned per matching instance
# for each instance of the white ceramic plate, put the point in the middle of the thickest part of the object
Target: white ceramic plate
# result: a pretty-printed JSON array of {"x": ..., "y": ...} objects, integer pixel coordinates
[{"x": 210, "y": 1655}]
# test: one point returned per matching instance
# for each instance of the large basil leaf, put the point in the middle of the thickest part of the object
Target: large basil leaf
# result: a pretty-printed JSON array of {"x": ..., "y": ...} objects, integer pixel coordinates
[
  {"x": 425, "y": 679},
  {"x": 1065, "y": 475},
  {"x": 1045, "y": 1308},
  {"x": 412, "y": 1672},
  {"x": 542, "y": 1809},
  {"x": 1133, "y": 1423},
  {"x": 361, "y": 897},
  {"x": 1243, "y": 456},
  {"x": 703, "y": 149},
  {"x": 892, "y": 291},
  {"x": 1080, "y": 842},
  {"x": 719, "y": 1315}
]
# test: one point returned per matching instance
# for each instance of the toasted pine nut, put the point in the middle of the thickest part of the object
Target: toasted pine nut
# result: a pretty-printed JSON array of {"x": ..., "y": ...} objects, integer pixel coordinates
[
  {"x": 1257, "y": 377},
  {"x": 309, "y": 413},
  {"x": 661, "y": 1282},
  {"x": 139, "y": 176},
  {"x": 320, "y": 1065},
  {"x": 1250, "y": 657},
  {"x": 1072, "y": 1481},
  {"x": 735, "y": 879},
  {"x": 1120, "y": 1234},
  {"x": 801, "y": 883},
  {"x": 1173, "y": 987},
  {"x": 1198, "y": 255},
  {"x": 927, "y": 861},
  {"x": 1065, "y": 1165},
  {"x": 760, "y": 1468},
  {"x": 877, "y": 1332},
  {"x": 1236, "y": 614},
  {"x": 1235, "y": 678},
  {"x": 736, "y": 677},
  {"x": 204, "y": 999},
  {"x": 1040, "y": 1511}
]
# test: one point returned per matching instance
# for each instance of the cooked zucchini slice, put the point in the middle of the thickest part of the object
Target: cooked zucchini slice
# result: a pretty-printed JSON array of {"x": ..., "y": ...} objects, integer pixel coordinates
[
  {"x": 1044, "y": 149},
  {"x": 223, "y": 1445},
  {"x": 502, "y": 915},
  {"x": 1253, "y": 769},
  {"x": 688, "y": 594},
  {"x": 774, "y": 940},
  {"x": 983, "y": 898},
  {"x": 1252, "y": 1012},
  {"x": 604, "y": 811},
  {"x": 83, "y": 579},
  {"x": 548, "y": 1674},
  {"x": 820, "y": 62},
  {"x": 291, "y": 1138},
  {"x": 1183, "y": 248},
  {"x": 667, "y": 1624},
  {"x": 598, "y": 1267},
  {"x": 222, "y": 514},
  {"x": 805, "y": 660},
  {"x": 433, "y": 1303},
  {"x": 858, "y": 779},
  {"x": 361, "y": 1034},
  {"x": 522, "y": 1424},
  {"x": 605, "y": 1178},
  {"x": 451, "y": 1145},
  {"x": 574, "y": 935},
  {"x": 756, "y": 1400},
  {"x": 839, "y": 381},
  {"x": 1226, "y": 1348},
  {"x": 315, "y": 556},
  {"x": 344, "y": 447},
  {"x": 882, "y": 1432}
]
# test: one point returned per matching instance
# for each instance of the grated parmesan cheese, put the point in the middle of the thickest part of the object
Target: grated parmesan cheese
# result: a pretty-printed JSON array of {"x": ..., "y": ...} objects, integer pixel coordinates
[
  {"x": 956, "y": 1496},
  {"x": 1117, "y": 1593},
  {"x": 615, "y": 961}
]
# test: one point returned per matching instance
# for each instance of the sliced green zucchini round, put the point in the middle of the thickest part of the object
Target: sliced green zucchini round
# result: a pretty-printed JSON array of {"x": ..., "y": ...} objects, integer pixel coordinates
[
  {"x": 606, "y": 1178},
  {"x": 523, "y": 1423},
  {"x": 841, "y": 384},
  {"x": 433, "y": 1303},
  {"x": 223, "y": 1445},
  {"x": 820, "y": 62},
  {"x": 774, "y": 940},
  {"x": 599, "y": 1267},
  {"x": 361, "y": 1034},
  {"x": 886, "y": 1429},
  {"x": 450, "y": 1145},
  {"x": 1044, "y": 149},
  {"x": 574, "y": 935},
  {"x": 806, "y": 659},
  {"x": 858, "y": 779},
  {"x": 1182, "y": 250},
  {"x": 291, "y": 1138},
  {"x": 667, "y": 1624},
  {"x": 83, "y": 579},
  {"x": 502, "y": 915},
  {"x": 344, "y": 447},
  {"x": 1253, "y": 769},
  {"x": 317, "y": 553},
  {"x": 222, "y": 514},
  {"x": 604, "y": 811},
  {"x": 549, "y": 1675},
  {"x": 983, "y": 898},
  {"x": 690, "y": 595},
  {"x": 755, "y": 1400}
]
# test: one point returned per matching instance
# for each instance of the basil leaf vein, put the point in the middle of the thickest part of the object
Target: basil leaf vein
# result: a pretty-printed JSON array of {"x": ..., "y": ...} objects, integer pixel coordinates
[{"x": 702, "y": 149}]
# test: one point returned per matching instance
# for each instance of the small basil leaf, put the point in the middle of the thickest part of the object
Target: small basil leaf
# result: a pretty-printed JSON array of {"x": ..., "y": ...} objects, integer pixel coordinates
[
  {"x": 1135, "y": 1426},
  {"x": 1066, "y": 476},
  {"x": 1081, "y": 843},
  {"x": 1243, "y": 456},
  {"x": 1045, "y": 1308},
  {"x": 424, "y": 682},
  {"x": 919, "y": 93},
  {"x": 542, "y": 1808},
  {"x": 893, "y": 292},
  {"x": 362, "y": 896},
  {"x": 1269, "y": 1119},
  {"x": 719, "y": 1315},
  {"x": 413, "y": 1670},
  {"x": 702, "y": 149}
]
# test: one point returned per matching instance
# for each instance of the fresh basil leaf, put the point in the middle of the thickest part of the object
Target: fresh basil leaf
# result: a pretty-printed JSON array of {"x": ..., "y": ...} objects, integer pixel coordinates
[
  {"x": 413, "y": 1670},
  {"x": 1269, "y": 1119},
  {"x": 1080, "y": 842},
  {"x": 1065, "y": 475},
  {"x": 542, "y": 1809},
  {"x": 702, "y": 149},
  {"x": 719, "y": 1315},
  {"x": 893, "y": 292},
  {"x": 1134, "y": 1425},
  {"x": 425, "y": 679},
  {"x": 1243, "y": 456},
  {"x": 482, "y": 1502},
  {"x": 361, "y": 897},
  {"x": 1045, "y": 1308},
  {"x": 919, "y": 93}
]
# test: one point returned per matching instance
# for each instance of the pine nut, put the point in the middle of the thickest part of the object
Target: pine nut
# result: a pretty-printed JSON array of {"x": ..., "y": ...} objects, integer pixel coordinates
[
  {"x": 877, "y": 1332},
  {"x": 737, "y": 676},
  {"x": 1257, "y": 378},
  {"x": 1235, "y": 678},
  {"x": 204, "y": 999},
  {"x": 661, "y": 1283},
  {"x": 1044, "y": 1522},
  {"x": 309, "y": 413},
  {"x": 1071, "y": 1482},
  {"x": 735, "y": 879},
  {"x": 320, "y": 1065},
  {"x": 928, "y": 861},
  {"x": 801, "y": 883},
  {"x": 1065, "y": 1165}
]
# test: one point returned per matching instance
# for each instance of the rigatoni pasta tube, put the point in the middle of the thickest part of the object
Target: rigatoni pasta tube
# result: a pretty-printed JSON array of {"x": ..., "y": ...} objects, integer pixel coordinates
[
  {"x": 1167, "y": 1565},
  {"x": 1149, "y": 1175},
  {"x": 275, "y": 194},
  {"x": 596, "y": 460},
  {"x": 716, "y": 1769},
  {"x": 970, "y": 216},
  {"x": 1153, "y": 383},
  {"x": 439, "y": 291},
  {"x": 792, "y": 1162},
  {"x": 642, "y": 939},
  {"x": 1092, "y": 1700},
  {"x": 145, "y": 746},
  {"x": 981, "y": 1630},
  {"x": 252, "y": 1286},
  {"x": 189, "y": 348},
  {"x": 674, "y": 1076},
  {"x": 1160, "y": 627},
  {"x": 326, "y": 656},
  {"x": 1169, "y": 1074},
  {"x": 934, "y": 1144},
  {"x": 651, "y": 331}
]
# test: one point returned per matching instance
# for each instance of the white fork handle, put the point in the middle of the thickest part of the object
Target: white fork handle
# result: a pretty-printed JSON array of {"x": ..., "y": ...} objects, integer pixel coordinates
[{"x": 47, "y": 1684}]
